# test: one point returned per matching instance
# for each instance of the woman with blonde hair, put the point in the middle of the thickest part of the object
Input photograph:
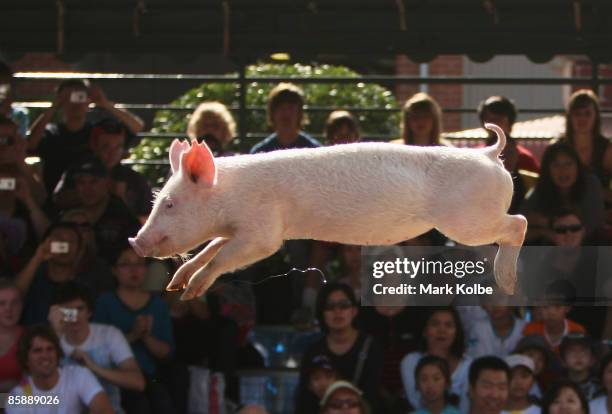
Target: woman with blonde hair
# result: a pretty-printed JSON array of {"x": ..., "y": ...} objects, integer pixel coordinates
[
  {"x": 422, "y": 121},
  {"x": 213, "y": 123},
  {"x": 583, "y": 133}
]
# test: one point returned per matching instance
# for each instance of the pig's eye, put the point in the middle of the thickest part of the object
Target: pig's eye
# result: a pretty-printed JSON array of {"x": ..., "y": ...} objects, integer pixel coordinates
[{"x": 169, "y": 204}]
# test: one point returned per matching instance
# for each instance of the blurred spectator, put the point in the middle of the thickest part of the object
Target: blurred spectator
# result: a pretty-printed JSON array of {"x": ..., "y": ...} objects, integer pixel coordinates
[
  {"x": 343, "y": 397},
  {"x": 396, "y": 328},
  {"x": 355, "y": 355},
  {"x": 500, "y": 333},
  {"x": 432, "y": 378},
  {"x": 7, "y": 98},
  {"x": 10, "y": 332},
  {"x": 489, "y": 382},
  {"x": 545, "y": 362},
  {"x": 583, "y": 133},
  {"x": 501, "y": 111},
  {"x": 563, "y": 183},
  {"x": 108, "y": 144},
  {"x": 112, "y": 221},
  {"x": 320, "y": 374},
  {"x": 75, "y": 387},
  {"x": 60, "y": 145},
  {"x": 144, "y": 319},
  {"x": 341, "y": 127},
  {"x": 522, "y": 378},
  {"x": 58, "y": 259},
  {"x": 442, "y": 335},
  {"x": 554, "y": 325},
  {"x": 603, "y": 403},
  {"x": 421, "y": 125},
  {"x": 13, "y": 236},
  {"x": 422, "y": 121},
  {"x": 564, "y": 397},
  {"x": 286, "y": 115},
  {"x": 204, "y": 337},
  {"x": 214, "y": 124},
  {"x": 578, "y": 355},
  {"x": 79, "y": 218},
  {"x": 101, "y": 348},
  {"x": 17, "y": 201},
  {"x": 13, "y": 152}
]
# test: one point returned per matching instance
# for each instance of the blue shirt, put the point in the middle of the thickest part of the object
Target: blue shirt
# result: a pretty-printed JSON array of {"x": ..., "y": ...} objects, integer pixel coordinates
[
  {"x": 271, "y": 143},
  {"x": 111, "y": 310}
]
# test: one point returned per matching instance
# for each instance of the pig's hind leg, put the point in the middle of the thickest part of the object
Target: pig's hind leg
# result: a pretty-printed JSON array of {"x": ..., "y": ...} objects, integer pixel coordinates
[
  {"x": 238, "y": 252},
  {"x": 507, "y": 231}
]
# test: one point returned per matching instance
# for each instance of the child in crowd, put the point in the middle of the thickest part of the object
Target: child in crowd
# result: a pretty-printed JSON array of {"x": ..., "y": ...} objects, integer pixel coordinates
[
  {"x": 537, "y": 350},
  {"x": 499, "y": 334},
  {"x": 433, "y": 380},
  {"x": 321, "y": 375},
  {"x": 554, "y": 324},
  {"x": 603, "y": 404},
  {"x": 578, "y": 357},
  {"x": 521, "y": 381}
]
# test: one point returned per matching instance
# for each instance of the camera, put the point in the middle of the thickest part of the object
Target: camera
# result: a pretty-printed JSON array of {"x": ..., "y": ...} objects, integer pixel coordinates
[
  {"x": 7, "y": 184},
  {"x": 70, "y": 314},
  {"x": 7, "y": 140},
  {"x": 5, "y": 88},
  {"x": 79, "y": 97},
  {"x": 58, "y": 247}
]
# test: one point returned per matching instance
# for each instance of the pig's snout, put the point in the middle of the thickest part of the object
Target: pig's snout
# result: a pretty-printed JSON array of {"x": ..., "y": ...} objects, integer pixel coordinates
[{"x": 136, "y": 246}]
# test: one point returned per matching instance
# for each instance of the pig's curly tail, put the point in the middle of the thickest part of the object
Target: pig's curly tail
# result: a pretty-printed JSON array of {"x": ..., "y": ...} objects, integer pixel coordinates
[{"x": 497, "y": 149}]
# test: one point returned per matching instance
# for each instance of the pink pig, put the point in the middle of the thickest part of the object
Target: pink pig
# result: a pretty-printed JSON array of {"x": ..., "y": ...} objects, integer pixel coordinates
[{"x": 363, "y": 194}]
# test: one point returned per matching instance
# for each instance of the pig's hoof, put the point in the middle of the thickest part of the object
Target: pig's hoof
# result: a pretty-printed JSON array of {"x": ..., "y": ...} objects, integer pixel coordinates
[{"x": 506, "y": 282}]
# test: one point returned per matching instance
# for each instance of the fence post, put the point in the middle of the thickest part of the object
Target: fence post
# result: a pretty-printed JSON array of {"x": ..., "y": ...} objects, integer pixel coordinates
[{"x": 242, "y": 104}]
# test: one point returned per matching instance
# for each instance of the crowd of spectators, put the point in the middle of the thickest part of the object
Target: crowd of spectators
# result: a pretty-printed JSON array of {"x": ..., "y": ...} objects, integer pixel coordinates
[{"x": 82, "y": 317}]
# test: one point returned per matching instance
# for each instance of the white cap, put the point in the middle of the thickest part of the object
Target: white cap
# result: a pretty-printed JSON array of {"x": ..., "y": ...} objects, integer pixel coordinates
[{"x": 516, "y": 360}]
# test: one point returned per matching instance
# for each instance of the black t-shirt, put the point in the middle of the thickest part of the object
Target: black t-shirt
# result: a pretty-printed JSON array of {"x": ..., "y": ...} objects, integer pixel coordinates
[
  {"x": 59, "y": 148},
  {"x": 113, "y": 228},
  {"x": 345, "y": 365}
]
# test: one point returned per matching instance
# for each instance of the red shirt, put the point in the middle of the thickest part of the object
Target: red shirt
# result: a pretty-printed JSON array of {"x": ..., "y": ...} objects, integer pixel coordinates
[
  {"x": 9, "y": 367},
  {"x": 527, "y": 161}
]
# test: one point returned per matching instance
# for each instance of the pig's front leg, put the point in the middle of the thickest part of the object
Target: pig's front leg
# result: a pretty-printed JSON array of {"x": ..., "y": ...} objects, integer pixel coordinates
[
  {"x": 238, "y": 252},
  {"x": 198, "y": 261}
]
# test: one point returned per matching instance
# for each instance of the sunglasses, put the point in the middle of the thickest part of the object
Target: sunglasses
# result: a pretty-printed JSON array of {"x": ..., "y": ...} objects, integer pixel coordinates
[
  {"x": 342, "y": 305},
  {"x": 573, "y": 228},
  {"x": 340, "y": 404}
]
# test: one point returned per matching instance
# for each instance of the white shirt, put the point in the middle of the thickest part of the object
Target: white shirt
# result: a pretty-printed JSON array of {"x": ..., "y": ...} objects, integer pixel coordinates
[
  {"x": 532, "y": 409},
  {"x": 459, "y": 380},
  {"x": 598, "y": 405},
  {"x": 108, "y": 348},
  {"x": 484, "y": 341},
  {"x": 75, "y": 389}
]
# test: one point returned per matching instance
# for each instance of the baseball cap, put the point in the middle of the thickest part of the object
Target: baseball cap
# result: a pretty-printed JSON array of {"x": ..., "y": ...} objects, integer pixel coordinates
[
  {"x": 337, "y": 386},
  {"x": 90, "y": 166},
  {"x": 519, "y": 360},
  {"x": 576, "y": 339},
  {"x": 320, "y": 361}
]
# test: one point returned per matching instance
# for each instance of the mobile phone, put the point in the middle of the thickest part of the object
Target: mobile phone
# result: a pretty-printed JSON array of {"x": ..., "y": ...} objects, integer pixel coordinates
[
  {"x": 70, "y": 314},
  {"x": 7, "y": 184},
  {"x": 78, "y": 97},
  {"x": 58, "y": 247}
]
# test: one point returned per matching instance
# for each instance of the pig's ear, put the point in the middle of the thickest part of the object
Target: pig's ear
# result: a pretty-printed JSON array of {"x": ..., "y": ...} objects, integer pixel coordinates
[
  {"x": 176, "y": 150},
  {"x": 198, "y": 164}
]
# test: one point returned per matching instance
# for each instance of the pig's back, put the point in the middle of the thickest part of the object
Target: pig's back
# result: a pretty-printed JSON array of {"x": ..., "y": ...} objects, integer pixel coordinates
[{"x": 344, "y": 193}]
